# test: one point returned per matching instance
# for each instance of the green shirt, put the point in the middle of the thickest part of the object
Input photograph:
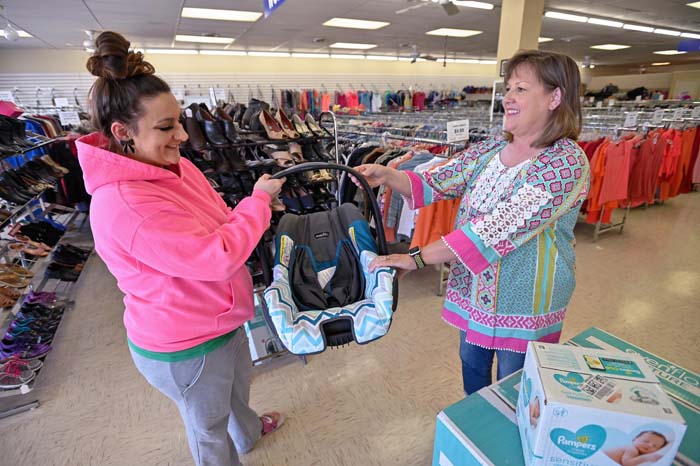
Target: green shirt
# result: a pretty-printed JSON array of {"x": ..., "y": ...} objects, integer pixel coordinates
[{"x": 194, "y": 352}]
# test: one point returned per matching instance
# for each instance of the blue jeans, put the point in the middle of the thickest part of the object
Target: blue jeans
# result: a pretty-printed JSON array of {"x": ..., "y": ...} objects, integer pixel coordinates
[{"x": 477, "y": 363}]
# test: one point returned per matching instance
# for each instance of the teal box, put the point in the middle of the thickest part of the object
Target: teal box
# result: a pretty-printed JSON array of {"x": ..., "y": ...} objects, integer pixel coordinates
[{"x": 478, "y": 430}]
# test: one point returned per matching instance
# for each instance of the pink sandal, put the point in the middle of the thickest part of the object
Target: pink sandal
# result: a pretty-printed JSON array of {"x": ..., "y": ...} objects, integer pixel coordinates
[{"x": 271, "y": 422}]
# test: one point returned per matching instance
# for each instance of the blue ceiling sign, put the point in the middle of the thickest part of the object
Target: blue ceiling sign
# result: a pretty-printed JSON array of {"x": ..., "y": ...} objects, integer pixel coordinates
[
  {"x": 689, "y": 45},
  {"x": 271, "y": 5}
]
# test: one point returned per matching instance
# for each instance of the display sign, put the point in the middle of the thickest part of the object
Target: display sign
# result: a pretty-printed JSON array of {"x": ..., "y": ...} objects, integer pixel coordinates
[
  {"x": 631, "y": 119},
  {"x": 678, "y": 114},
  {"x": 221, "y": 94},
  {"x": 271, "y": 5},
  {"x": 695, "y": 113},
  {"x": 70, "y": 118},
  {"x": 457, "y": 130},
  {"x": 658, "y": 116},
  {"x": 599, "y": 104},
  {"x": 7, "y": 96},
  {"x": 60, "y": 102}
]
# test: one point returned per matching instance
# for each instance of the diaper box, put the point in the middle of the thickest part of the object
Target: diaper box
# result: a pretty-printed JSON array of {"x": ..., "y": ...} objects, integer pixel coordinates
[{"x": 589, "y": 407}]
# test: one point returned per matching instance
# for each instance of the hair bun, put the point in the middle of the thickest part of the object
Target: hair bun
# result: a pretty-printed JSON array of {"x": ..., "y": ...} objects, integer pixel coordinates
[{"x": 113, "y": 60}]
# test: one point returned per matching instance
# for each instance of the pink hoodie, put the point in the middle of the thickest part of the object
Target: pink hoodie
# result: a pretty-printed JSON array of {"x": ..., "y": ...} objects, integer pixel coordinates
[{"x": 177, "y": 251}]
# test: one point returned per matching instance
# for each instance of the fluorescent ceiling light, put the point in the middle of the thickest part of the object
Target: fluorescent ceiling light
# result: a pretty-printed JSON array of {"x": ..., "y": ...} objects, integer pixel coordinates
[
  {"x": 661, "y": 63},
  {"x": 669, "y": 52},
  {"x": 566, "y": 16},
  {"x": 690, "y": 36},
  {"x": 239, "y": 53},
  {"x": 470, "y": 4},
  {"x": 605, "y": 22},
  {"x": 636, "y": 27},
  {"x": 173, "y": 51},
  {"x": 470, "y": 61},
  {"x": 667, "y": 32},
  {"x": 350, "y": 45},
  {"x": 610, "y": 47},
  {"x": 381, "y": 57},
  {"x": 88, "y": 50},
  {"x": 269, "y": 54},
  {"x": 204, "y": 39},
  {"x": 347, "y": 56},
  {"x": 544, "y": 39},
  {"x": 223, "y": 15},
  {"x": 310, "y": 55},
  {"x": 355, "y": 23},
  {"x": 694, "y": 4},
  {"x": 23, "y": 34},
  {"x": 453, "y": 32},
  {"x": 487, "y": 62}
]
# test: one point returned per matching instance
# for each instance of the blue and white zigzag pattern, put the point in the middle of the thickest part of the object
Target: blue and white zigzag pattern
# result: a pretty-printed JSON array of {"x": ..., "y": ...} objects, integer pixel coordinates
[{"x": 300, "y": 332}]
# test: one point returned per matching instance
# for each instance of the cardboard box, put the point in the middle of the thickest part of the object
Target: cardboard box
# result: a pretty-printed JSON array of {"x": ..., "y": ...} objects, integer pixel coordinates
[
  {"x": 478, "y": 430},
  {"x": 581, "y": 406}
]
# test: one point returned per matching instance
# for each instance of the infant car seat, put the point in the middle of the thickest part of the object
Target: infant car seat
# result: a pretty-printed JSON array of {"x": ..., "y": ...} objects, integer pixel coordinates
[{"x": 322, "y": 292}]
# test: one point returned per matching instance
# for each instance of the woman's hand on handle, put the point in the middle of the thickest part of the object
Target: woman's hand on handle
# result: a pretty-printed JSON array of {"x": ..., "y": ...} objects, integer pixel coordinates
[
  {"x": 378, "y": 175},
  {"x": 270, "y": 186},
  {"x": 403, "y": 262}
]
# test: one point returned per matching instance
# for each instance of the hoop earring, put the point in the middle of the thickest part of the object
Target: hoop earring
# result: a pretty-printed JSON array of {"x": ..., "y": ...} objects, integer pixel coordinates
[{"x": 127, "y": 145}]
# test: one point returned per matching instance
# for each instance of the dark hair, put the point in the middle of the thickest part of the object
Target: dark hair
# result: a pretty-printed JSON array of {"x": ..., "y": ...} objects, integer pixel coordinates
[
  {"x": 554, "y": 70},
  {"x": 124, "y": 78},
  {"x": 654, "y": 433}
]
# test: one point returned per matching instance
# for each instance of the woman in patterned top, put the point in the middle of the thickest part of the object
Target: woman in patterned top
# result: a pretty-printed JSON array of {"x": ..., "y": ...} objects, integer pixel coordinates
[{"x": 511, "y": 253}]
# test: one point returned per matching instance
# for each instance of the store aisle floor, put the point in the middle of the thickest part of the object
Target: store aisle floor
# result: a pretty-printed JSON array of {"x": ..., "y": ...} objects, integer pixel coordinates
[{"x": 362, "y": 405}]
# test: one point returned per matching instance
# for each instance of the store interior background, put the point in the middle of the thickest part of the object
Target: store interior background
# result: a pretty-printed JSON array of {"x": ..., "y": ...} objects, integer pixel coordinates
[{"x": 372, "y": 405}]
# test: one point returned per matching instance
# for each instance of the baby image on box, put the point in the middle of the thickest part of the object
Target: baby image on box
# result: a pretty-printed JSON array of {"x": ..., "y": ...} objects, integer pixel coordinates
[{"x": 645, "y": 448}]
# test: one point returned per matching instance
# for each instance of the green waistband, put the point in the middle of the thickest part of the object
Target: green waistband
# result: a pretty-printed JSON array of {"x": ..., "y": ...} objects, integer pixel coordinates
[{"x": 194, "y": 352}]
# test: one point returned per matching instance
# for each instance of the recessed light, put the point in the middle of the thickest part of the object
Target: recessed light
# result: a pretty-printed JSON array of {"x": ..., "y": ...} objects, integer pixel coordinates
[
  {"x": 636, "y": 27},
  {"x": 222, "y": 15},
  {"x": 661, "y": 63},
  {"x": 204, "y": 39},
  {"x": 23, "y": 34},
  {"x": 690, "y": 36},
  {"x": 605, "y": 22},
  {"x": 470, "y": 4},
  {"x": 355, "y": 23},
  {"x": 268, "y": 54},
  {"x": 453, "y": 32},
  {"x": 173, "y": 51},
  {"x": 350, "y": 45},
  {"x": 382, "y": 57},
  {"x": 667, "y": 32},
  {"x": 694, "y": 4},
  {"x": 544, "y": 39},
  {"x": 347, "y": 56},
  {"x": 669, "y": 52},
  {"x": 310, "y": 55},
  {"x": 566, "y": 16},
  {"x": 610, "y": 47},
  {"x": 239, "y": 53}
]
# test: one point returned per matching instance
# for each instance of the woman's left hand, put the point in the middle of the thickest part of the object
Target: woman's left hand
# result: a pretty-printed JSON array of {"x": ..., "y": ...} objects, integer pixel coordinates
[{"x": 403, "y": 262}]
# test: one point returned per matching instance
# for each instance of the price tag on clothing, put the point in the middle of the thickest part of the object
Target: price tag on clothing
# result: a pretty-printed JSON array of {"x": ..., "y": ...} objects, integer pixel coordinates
[
  {"x": 70, "y": 118},
  {"x": 695, "y": 113},
  {"x": 599, "y": 104},
  {"x": 658, "y": 116},
  {"x": 611, "y": 102},
  {"x": 60, "y": 102},
  {"x": 678, "y": 114},
  {"x": 631, "y": 119},
  {"x": 8, "y": 96},
  {"x": 457, "y": 130}
]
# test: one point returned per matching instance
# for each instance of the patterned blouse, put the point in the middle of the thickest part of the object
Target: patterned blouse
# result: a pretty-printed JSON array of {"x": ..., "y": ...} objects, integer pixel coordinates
[{"x": 514, "y": 275}]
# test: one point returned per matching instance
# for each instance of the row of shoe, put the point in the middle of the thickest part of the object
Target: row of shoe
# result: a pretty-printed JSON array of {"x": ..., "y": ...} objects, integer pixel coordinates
[
  {"x": 12, "y": 136},
  {"x": 307, "y": 199},
  {"x": 44, "y": 233},
  {"x": 13, "y": 276},
  {"x": 37, "y": 175}
]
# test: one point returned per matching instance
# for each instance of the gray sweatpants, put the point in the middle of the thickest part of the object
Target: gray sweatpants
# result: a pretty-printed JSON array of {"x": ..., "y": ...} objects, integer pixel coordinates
[{"x": 212, "y": 394}]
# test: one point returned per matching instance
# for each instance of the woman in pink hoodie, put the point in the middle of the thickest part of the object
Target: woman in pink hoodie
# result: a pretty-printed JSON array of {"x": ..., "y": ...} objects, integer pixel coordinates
[{"x": 177, "y": 251}]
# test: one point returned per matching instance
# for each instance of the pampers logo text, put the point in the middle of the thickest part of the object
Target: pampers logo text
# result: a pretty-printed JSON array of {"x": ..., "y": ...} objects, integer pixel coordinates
[
  {"x": 580, "y": 444},
  {"x": 561, "y": 440}
]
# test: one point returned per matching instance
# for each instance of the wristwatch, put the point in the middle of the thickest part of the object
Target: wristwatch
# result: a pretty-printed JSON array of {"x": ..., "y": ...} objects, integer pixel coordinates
[{"x": 415, "y": 254}]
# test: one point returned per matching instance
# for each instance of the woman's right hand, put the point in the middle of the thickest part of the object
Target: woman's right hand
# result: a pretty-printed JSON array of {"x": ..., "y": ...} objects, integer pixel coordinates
[
  {"x": 375, "y": 174},
  {"x": 270, "y": 186}
]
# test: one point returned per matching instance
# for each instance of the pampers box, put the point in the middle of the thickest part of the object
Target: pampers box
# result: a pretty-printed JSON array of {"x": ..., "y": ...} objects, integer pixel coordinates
[{"x": 587, "y": 407}]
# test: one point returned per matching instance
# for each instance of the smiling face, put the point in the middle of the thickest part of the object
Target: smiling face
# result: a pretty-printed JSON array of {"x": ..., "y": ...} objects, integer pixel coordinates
[
  {"x": 649, "y": 442},
  {"x": 158, "y": 132},
  {"x": 528, "y": 104}
]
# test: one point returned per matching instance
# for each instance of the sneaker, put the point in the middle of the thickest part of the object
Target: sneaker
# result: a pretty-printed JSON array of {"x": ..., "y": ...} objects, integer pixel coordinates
[
  {"x": 14, "y": 375},
  {"x": 33, "y": 365},
  {"x": 271, "y": 422}
]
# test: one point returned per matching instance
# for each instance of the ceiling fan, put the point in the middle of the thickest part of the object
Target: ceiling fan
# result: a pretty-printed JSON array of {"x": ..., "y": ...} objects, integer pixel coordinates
[
  {"x": 415, "y": 55},
  {"x": 447, "y": 5}
]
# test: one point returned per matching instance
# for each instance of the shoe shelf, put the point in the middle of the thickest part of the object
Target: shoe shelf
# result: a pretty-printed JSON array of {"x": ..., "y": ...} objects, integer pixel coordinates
[
  {"x": 38, "y": 145},
  {"x": 21, "y": 399},
  {"x": 17, "y": 212}
]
